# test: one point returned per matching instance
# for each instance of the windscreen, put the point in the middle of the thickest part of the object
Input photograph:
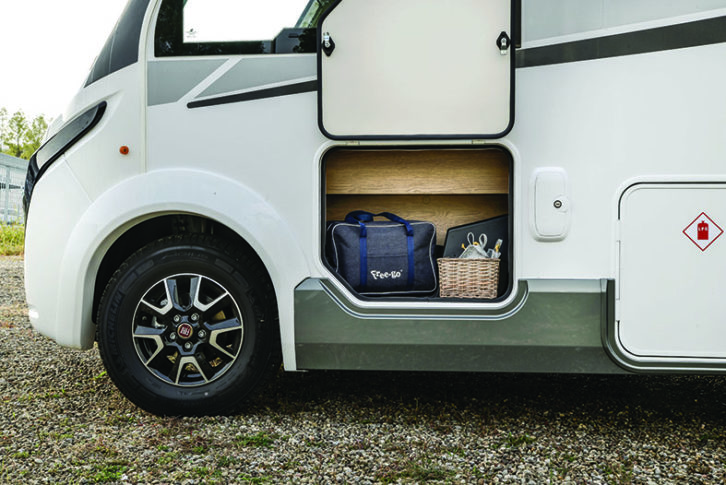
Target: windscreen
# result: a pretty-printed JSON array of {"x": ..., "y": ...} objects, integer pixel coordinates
[{"x": 122, "y": 47}]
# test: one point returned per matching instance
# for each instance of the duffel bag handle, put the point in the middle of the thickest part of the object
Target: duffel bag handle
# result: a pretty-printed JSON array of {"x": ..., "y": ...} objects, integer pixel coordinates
[{"x": 361, "y": 217}]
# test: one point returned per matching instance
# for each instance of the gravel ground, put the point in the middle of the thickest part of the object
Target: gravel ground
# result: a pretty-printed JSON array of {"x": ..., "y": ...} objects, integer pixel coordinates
[{"x": 62, "y": 421}]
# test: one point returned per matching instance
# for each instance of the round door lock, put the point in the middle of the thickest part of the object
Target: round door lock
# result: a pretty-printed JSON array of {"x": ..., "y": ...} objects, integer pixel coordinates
[{"x": 558, "y": 204}]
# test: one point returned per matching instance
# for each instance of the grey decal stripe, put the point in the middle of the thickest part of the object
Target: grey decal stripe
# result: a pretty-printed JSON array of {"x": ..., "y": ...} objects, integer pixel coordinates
[
  {"x": 679, "y": 36},
  {"x": 262, "y": 71},
  {"x": 297, "y": 88},
  {"x": 168, "y": 81}
]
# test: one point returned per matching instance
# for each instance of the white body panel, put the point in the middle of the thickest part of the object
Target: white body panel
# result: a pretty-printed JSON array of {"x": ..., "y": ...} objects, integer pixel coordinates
[
  {"x": 605, "y": 122},
  {"x": 59, "y": 305},
  {"x": 601, "y": 124},
  {"x": 55, "y": 223}
]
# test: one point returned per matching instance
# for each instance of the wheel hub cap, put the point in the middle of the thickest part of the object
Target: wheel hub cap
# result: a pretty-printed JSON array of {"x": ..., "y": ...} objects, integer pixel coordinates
[{"x": 185, "y": 331}]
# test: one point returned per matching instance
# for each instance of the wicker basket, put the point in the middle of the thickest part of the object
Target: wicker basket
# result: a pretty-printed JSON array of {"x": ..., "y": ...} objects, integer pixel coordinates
[{"x": 468, "y": 278}]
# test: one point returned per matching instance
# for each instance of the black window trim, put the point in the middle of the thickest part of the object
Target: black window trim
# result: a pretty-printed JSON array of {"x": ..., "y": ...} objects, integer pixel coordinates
[{"x": 169, "y": 39}]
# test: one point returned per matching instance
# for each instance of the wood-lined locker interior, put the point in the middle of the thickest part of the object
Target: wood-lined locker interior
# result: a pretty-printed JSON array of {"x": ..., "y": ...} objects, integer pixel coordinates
[{"x": 448, "y": 187}]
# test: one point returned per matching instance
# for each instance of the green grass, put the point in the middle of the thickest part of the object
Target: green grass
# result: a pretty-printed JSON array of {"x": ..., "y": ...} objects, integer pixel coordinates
[
  {"x": 419, "y": 472},
  {"x": 111, "y": 472},
  {"x": 259, "y": 440},
  {"x": 514, "y": 441},
  {"x": 250, "y": 479},
  {"x": 620, "y": 473},
  {"x": 11, "y": 239}
]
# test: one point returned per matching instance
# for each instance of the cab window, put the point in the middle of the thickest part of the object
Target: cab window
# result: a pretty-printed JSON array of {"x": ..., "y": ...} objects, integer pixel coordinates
[{"x": 223, "y": 27}]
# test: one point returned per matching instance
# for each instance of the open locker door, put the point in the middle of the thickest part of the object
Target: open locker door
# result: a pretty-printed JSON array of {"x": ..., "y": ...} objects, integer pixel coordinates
[{"x": 416, "y": 68}]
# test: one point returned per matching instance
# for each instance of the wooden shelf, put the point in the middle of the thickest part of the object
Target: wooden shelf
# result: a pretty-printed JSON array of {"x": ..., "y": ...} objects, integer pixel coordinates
[
  {"x": 451, "y": 171},
  {"x": 449, "y": 187},
  {"x": 445, "y": 211}
]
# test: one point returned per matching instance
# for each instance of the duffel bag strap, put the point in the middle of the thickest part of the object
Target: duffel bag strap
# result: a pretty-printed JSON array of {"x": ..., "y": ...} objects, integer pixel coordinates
[
  {"x": 356, "y": 217},
  {"x": 361, "y": 217}
]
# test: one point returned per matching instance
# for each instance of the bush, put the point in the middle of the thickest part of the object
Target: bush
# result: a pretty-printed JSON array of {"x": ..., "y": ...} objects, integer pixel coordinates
[{"x": 12, "y": 238}]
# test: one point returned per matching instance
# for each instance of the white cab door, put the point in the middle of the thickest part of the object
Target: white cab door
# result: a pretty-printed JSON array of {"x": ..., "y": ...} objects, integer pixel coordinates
[
  {"x": 416, "y": 68},
  {"x": 672, "y": 278}
]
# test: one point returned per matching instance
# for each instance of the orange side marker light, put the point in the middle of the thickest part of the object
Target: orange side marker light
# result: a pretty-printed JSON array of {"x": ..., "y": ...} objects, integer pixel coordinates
[{"x": 124, "y": 150}]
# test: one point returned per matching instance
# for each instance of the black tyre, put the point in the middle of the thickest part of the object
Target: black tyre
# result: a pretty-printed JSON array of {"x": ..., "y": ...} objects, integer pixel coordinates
[{"x": 187, "y": 326}]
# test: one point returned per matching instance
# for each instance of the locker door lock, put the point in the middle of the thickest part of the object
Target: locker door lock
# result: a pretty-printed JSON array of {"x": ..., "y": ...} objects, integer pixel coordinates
[
  {"x": 328, "y": 44},
  {"x": 503, "y": 42}
]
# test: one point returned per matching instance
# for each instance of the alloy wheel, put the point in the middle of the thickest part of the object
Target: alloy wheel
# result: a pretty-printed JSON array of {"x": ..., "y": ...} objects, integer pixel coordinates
[{"x": 187, "y": 330}]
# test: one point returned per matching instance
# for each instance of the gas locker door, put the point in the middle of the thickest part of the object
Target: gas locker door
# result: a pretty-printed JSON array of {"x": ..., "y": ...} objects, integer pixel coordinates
[
  {"x": 672, "y": 282},
  {"x": 416, "y": 68}
]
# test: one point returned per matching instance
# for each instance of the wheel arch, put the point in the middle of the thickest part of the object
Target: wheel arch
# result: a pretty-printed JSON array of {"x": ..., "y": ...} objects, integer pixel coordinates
[
  {"x": 145, "y": 208},
  {"x": 158, "y": 226}
]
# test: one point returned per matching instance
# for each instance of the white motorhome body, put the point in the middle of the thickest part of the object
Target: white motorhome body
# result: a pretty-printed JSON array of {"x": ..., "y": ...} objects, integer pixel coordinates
[{"x": 596, "y": 127}]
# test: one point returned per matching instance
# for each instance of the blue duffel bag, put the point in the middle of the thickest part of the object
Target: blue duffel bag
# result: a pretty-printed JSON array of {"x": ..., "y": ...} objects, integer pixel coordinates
[{"x": 394, "y": 257}]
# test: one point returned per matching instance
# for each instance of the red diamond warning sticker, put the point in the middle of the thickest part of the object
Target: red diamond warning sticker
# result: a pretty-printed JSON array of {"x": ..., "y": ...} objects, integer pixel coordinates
[{"x": 703, "y": 231}]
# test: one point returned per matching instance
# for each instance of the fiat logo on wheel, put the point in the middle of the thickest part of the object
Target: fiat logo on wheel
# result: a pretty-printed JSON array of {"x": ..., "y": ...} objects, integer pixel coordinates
[{"x": 185, "y": 330}]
